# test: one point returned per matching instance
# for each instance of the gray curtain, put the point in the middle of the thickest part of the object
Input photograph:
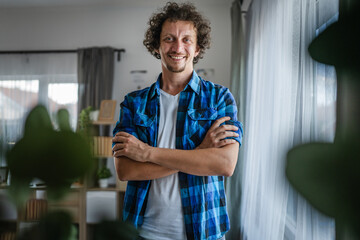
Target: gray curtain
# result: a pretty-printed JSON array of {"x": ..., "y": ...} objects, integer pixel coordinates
[
  {"x": 238, "y": 87},
  {"x": 95, "y": 76}
]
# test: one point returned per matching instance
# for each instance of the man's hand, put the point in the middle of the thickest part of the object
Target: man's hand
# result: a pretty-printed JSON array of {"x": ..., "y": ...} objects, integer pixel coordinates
[
  {"x": 215, "y": 136},
  {"x": 129, "y": 146}
]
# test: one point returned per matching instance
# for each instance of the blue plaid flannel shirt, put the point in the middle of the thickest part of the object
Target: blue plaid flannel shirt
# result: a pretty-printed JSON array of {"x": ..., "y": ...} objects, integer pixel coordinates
[{"x": 203, "y": 198}]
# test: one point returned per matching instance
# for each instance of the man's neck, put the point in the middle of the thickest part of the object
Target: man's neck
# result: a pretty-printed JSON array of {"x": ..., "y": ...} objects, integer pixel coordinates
[{"x": 173, "y": 83}]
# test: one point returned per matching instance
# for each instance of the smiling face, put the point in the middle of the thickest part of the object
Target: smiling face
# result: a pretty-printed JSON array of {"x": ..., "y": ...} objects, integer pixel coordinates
[{"x": 178, "y": 46}]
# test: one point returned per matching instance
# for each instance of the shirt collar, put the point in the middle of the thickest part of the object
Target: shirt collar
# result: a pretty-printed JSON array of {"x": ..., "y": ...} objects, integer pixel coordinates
[
  {"x": 194, "y": 84},
  {"x": 155, "y": 89}
]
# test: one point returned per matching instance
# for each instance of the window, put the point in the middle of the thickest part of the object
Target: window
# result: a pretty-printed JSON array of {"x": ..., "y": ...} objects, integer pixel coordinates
[
  {"x": 64, "y": 95},
  {"x": 326, "y": 94},
  {"x": 324, "y": 121},
  {"x": 28, "y": 80}
]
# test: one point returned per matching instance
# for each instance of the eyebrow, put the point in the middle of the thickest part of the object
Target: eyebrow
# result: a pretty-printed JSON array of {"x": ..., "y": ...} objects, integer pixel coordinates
[{"x": 172, "y": 35}]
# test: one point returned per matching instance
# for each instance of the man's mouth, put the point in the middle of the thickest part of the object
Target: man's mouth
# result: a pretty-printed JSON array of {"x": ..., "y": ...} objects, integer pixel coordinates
[{"x": 176, "y": 57}]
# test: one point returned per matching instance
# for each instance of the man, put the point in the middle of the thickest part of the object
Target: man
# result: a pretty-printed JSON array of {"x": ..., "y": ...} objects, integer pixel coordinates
[{"x": 171, "y": 143}]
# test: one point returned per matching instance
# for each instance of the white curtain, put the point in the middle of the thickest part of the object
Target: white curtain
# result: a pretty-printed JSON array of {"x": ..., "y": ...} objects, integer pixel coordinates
[
  {"x": 290, "y": 99},
  {"x": 30, "y": 79}
]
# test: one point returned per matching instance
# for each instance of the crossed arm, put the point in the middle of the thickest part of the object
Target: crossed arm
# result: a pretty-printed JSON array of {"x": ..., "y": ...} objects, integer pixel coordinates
[{"x": 136, "y": 160}]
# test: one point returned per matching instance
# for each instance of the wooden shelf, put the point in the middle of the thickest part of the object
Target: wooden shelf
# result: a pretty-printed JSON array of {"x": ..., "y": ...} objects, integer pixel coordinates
[
  {"x": 102, "y": 146},
  {"x": 105, "y": 189},
  {"x": 4, "y": 186},
  {"x": 103, "y": 122}
]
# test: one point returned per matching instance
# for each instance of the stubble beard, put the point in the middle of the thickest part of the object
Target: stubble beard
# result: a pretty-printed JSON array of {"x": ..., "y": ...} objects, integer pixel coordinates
[{"x": 176, "y": 70}]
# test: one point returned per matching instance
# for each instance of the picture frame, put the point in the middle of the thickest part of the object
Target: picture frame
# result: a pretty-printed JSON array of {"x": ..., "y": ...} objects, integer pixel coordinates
[
  {"x": 107, "y": 110},
  {"x": 4, "y": 172}
]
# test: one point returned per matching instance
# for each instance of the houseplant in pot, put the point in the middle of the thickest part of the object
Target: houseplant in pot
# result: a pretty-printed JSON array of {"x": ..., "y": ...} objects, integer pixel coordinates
[{"x": 103, "y": 175}]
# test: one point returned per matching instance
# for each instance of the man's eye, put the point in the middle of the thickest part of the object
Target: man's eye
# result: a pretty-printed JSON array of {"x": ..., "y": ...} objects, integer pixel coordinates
[{"x": 188, "y": 40}]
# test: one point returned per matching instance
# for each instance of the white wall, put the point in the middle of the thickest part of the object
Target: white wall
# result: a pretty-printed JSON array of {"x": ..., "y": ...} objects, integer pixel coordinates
[{"x": 117, "y": 25}]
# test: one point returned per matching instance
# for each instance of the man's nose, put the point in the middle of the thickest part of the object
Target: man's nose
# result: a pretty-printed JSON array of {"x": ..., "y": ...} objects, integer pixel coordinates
[{"x": 177, "y": 46}]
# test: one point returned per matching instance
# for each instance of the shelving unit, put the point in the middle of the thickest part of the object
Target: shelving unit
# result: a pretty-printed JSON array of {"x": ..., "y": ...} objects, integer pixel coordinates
[
  {"x": 103, "y": 151},
  {"x": 112, "y": 196},
  {"x": 78, "y": 201},
  {"x": 37, "y": 205}
]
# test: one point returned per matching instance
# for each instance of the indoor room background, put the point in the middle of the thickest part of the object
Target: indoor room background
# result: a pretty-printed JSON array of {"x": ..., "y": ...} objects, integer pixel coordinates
[
  {"x": 117, "y": 24},
  {"x": 258, "y": 50}
]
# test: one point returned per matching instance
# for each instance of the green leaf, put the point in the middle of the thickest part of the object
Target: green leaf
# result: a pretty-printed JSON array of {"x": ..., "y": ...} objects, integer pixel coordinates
[
  {"x": 313, "y": 171},
  {"x": 55, "y": 157},
  {"x": 327, "y": 175},
  {"x": 56, "y": 225},
  {"x": 63, "y": 118},
  {"x": 113, "y": 230},
  {"x": 38, "y": 119}
]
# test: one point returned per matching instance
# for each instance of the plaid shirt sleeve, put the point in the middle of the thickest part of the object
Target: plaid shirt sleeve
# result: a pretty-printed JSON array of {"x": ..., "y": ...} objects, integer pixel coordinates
[
  {"x": 227, "y": 107},
  {"x": 136, "y": 190},
  {"x": 125, "y": 122}
]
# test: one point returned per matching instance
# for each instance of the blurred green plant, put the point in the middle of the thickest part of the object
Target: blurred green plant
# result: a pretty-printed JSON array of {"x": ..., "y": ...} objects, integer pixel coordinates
[
  {"x": 56, "y": 157},
  {"x": 328, "y": 174},
  {"x": 84, "y": 119},
  {"x": 115, "y": 230},
  {"x": 103, "y": 173},
  {"x": 56, "y": 225}
]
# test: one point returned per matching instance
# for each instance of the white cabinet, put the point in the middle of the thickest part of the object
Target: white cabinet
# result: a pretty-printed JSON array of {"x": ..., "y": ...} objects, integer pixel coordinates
[{"x": 101, "y": 205}]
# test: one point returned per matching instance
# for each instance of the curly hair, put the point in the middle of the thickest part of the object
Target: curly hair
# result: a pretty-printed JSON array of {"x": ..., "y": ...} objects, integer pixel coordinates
[{"x": 175, "y": 12}]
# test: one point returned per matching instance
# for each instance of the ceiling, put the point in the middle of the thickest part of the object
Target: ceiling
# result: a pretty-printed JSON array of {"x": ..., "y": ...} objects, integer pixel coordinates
[{"x": 70, "y": 3}]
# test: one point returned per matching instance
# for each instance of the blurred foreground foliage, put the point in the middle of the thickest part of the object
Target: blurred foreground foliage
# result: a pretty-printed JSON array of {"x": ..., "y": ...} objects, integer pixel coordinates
[
  {"x": 58, "y": 158},
  {"x": 328, "y": 174},
  {"x": 55, "y": 225},
  {"x": 115, "y": 230}
]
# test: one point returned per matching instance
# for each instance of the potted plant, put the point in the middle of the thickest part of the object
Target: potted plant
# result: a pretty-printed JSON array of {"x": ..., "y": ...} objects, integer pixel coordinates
[
  {"x": 103, "y": 174},
  {"x": 84, "y": 119}
]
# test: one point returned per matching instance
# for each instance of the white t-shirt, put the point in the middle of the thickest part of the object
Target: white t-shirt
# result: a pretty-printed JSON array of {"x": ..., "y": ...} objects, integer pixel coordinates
[{"x": 164, "y": 219}]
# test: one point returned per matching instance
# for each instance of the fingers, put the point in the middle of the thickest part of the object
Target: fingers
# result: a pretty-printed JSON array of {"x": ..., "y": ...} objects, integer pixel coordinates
[
  {"x": 120, "y": 139},
  {"x": 123, "y": 134},
  {"x": 225, "y": 142},
  {"x": 220, "y": 143},
  {"x": 227, "y": 134},
  {"x": 224, "y": 138},
  {"x": 225, "y": 128},
  {"x": 224, "y": 131},
  {"x": 118, "y": 153},
  {"x": 219, "y": 136},
  {"x": 118, "y": 146},
  {"x": 218, "y": 122}
]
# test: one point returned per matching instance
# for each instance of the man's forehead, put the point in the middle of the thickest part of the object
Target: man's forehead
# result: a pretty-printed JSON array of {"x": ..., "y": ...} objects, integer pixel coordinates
[{"x": 175, "y": 26}]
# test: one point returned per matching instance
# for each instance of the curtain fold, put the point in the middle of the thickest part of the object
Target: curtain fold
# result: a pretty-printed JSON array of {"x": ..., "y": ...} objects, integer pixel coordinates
[
  {"x": 284, "y": 99},
  {"x": 237, "y": 87},
  {"x": 95, "y": 76}
]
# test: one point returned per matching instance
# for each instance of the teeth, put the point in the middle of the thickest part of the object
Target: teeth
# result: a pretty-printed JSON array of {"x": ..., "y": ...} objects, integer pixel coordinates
[{"x": 176, "y": 57}]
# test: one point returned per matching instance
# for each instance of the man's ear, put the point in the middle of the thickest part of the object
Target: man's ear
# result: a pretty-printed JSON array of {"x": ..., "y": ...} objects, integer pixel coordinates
[
  {"x": 157, "y": 53},
  {"x": 197, "y": 51}
]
